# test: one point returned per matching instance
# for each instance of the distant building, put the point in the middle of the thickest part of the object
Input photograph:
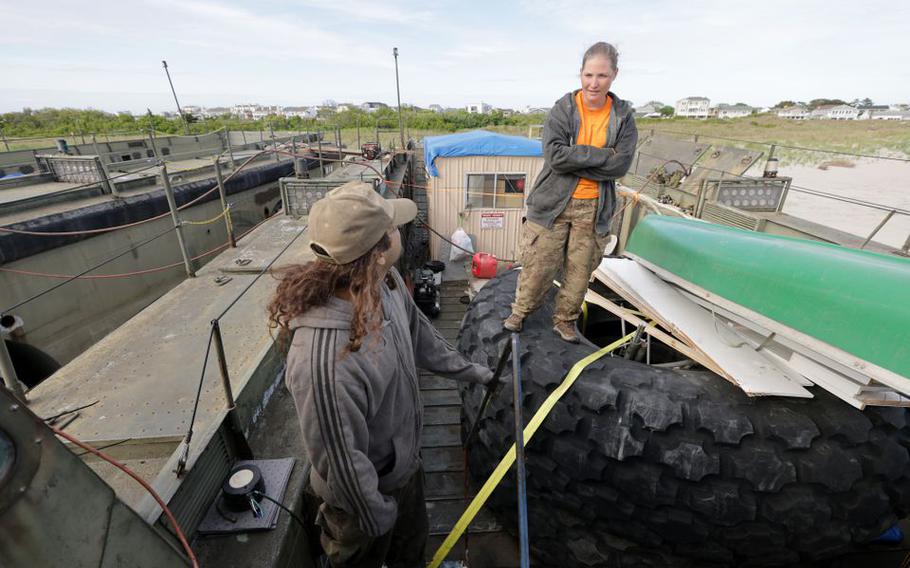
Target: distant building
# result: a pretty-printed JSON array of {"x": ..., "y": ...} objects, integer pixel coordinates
[
  {"x": 478, "y": 108},
  {"x": 194, "y": 110},
  {"x": 536, "y": 110},
  {"x": 436, "y": 108},
  {"x": 300, "y": 112},
  {"x": 890, "y": 114},
  {"x": 820, "y": 111},
  {"x": 649, "y": 110},
  {"x": 255, "y": 111},
  {"x": 843, "y": 112},
  {"x": 215, "y": 112},
  {"x": 798, "y": 112},
  {"x": 372, "y": 106},
  {"x": 732, "y": 111},
  {"x": 693, "y": 107}
]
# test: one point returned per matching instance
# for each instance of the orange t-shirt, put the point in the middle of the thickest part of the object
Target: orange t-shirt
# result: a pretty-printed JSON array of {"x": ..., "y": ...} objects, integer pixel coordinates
[{"x": 592, "y": 132}]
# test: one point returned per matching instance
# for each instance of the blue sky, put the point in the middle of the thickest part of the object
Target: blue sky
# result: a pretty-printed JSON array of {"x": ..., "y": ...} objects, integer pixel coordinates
[{"x": 107, "y": 55}]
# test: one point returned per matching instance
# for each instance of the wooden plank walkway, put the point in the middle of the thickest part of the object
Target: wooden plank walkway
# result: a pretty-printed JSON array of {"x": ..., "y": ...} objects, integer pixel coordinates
[{"x": 447, "y": 492}]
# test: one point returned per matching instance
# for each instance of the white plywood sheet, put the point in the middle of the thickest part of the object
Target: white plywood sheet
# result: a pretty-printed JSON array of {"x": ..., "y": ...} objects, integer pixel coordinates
[{"x": 753, "y": 372}]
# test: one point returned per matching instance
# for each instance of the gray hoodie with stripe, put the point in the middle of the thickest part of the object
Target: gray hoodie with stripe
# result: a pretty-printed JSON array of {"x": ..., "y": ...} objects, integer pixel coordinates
[{"x": 360, "y": 413}]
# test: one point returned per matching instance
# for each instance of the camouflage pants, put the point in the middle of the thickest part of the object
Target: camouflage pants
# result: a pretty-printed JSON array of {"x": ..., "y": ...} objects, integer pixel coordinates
[
  {"x": 346, "y": 546},
  {"x": 571, "y": 245}
]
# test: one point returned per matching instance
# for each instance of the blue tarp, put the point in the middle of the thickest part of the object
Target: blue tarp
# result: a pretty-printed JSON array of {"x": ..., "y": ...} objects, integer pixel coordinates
[{"x": 477, "y": 143}]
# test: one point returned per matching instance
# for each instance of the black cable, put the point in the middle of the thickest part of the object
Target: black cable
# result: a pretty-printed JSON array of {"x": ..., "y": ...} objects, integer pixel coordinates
[
  {"x": 205, "y": 362},
  {"x": 281, "y": 505},
  {"x": 86, "y": 271},
  {"x": 70, "y": 411},
  {"x": 438, "y": 234},
  {"x": 105, "y": 447}
]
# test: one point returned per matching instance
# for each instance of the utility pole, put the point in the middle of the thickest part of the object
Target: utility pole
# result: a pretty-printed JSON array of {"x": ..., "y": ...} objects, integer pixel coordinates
[
  {"x": 398, "y": 92},
  {"x": 186, "y": 126}
]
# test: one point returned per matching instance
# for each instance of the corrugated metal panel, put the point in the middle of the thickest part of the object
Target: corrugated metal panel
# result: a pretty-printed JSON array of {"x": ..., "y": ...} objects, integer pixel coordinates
[
  {"x": 721, "y": 214},
  {"x": 447, "y": 199}
]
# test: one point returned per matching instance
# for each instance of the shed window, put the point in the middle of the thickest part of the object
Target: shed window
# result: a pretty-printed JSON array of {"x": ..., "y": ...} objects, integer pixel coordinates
[{"x": 499, "y": 191}]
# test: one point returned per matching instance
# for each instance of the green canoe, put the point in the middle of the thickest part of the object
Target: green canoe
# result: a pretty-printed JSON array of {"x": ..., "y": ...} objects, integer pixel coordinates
[{"x": 855, "y": 300}]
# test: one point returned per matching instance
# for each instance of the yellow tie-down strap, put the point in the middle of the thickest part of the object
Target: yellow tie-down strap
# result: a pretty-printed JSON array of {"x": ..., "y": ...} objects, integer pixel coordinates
[{"x": 506, "y": 463}]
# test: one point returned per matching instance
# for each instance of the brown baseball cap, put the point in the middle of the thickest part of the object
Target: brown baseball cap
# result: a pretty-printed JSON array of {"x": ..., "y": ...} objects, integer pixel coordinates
[{"x": 349, "y": 221}]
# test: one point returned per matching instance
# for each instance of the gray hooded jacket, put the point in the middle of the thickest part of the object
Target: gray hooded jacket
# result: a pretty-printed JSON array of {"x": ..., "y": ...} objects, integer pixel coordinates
[
  {"x": 565, "y": 162},
  {"x": 360, "y": 413}
]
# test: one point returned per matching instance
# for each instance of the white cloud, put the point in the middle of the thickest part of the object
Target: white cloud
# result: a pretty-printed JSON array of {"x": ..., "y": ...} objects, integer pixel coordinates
[{"x": 509, "y": 55}]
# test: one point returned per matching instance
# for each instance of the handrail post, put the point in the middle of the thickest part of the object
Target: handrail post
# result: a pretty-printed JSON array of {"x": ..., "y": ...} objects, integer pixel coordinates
[
  {"x": 172, "y": 204},
  {"x": 230, "y": 148},
  {"x": 243, "y": 447},
  {"x": 877, "y": 228},
  {"x": 274, "y": 142},
  {"x": 517, "y": 400},
  {"x": 105, "y": 178},
  {"x": 319, "y": 145},
  {"x": 10, "y": 379},
  {"x": 152, "y": 141},
  {"x": 224, "y": 207}
]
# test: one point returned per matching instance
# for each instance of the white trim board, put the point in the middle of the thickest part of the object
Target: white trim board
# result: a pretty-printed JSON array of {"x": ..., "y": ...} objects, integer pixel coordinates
[
  {"x": 751, "y": 370},
  {"x": 807, "y": 343},
  {"x": 652, "y": 330}
]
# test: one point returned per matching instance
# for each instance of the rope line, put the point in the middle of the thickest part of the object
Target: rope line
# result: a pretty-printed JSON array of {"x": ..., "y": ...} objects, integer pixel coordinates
[
  {"x": 86, "y": 271},
  {"x": 209, "y": 221},
  {"x": 135, "y": 223}
]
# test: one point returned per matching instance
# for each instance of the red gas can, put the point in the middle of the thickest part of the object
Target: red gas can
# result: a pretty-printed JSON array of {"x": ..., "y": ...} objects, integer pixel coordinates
[{"x": 483, "y": 265}]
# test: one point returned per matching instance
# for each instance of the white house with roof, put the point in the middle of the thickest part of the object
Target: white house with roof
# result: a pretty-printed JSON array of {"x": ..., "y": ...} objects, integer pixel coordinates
[
  {"x": 693, "y": 107},
  {"x": 478, "y": 108},
  {"x": 372, "y": 106},
  {"x": 890, "y": 114},
  {"x": 436, "y": 108},
  {"x": 215, "y": 112},
  {"x": 843, "y": 112},
  {"x": 797, "y": 112},
  {"x": 820, "y": 112},
  {"x": 300, "y": 111},
  {"x": 732, "y": 111},
  {"x": 649, "y": 110}
]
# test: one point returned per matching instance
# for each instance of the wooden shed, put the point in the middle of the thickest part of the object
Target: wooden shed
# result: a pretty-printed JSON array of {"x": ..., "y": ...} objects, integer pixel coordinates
[{"x": 479, "y": 180}]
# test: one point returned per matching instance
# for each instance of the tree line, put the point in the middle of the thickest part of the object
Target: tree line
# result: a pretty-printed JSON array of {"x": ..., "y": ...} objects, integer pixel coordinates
[{"x": 69, "y": 121}]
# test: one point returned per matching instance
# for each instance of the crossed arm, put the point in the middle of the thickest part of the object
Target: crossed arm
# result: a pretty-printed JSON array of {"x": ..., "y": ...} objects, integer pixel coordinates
[{"x": 590, "y": 162}]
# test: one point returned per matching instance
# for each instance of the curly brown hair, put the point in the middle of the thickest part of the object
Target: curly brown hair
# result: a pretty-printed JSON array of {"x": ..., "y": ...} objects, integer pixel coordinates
[{"x": 305, "y": 286}]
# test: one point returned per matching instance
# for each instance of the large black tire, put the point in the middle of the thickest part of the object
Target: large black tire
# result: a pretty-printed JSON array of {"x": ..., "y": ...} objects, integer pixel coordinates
[{"x": 640, "y": 466}]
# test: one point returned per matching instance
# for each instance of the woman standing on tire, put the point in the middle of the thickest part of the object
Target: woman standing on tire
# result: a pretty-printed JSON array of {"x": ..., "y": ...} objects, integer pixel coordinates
[
  {"x": 358, "y": 339},
  {"x": 589, "y": 138}
]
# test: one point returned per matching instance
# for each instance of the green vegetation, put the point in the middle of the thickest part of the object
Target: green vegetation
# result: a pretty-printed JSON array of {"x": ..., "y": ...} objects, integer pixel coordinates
[
  {"x": 878, "y": 137},
  {"x": 861, "y": 136},
  {"x": 75, "y": 123}
]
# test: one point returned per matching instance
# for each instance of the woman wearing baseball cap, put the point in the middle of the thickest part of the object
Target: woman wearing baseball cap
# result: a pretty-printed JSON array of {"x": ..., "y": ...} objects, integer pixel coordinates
[{"x": 357, "y": 339}]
